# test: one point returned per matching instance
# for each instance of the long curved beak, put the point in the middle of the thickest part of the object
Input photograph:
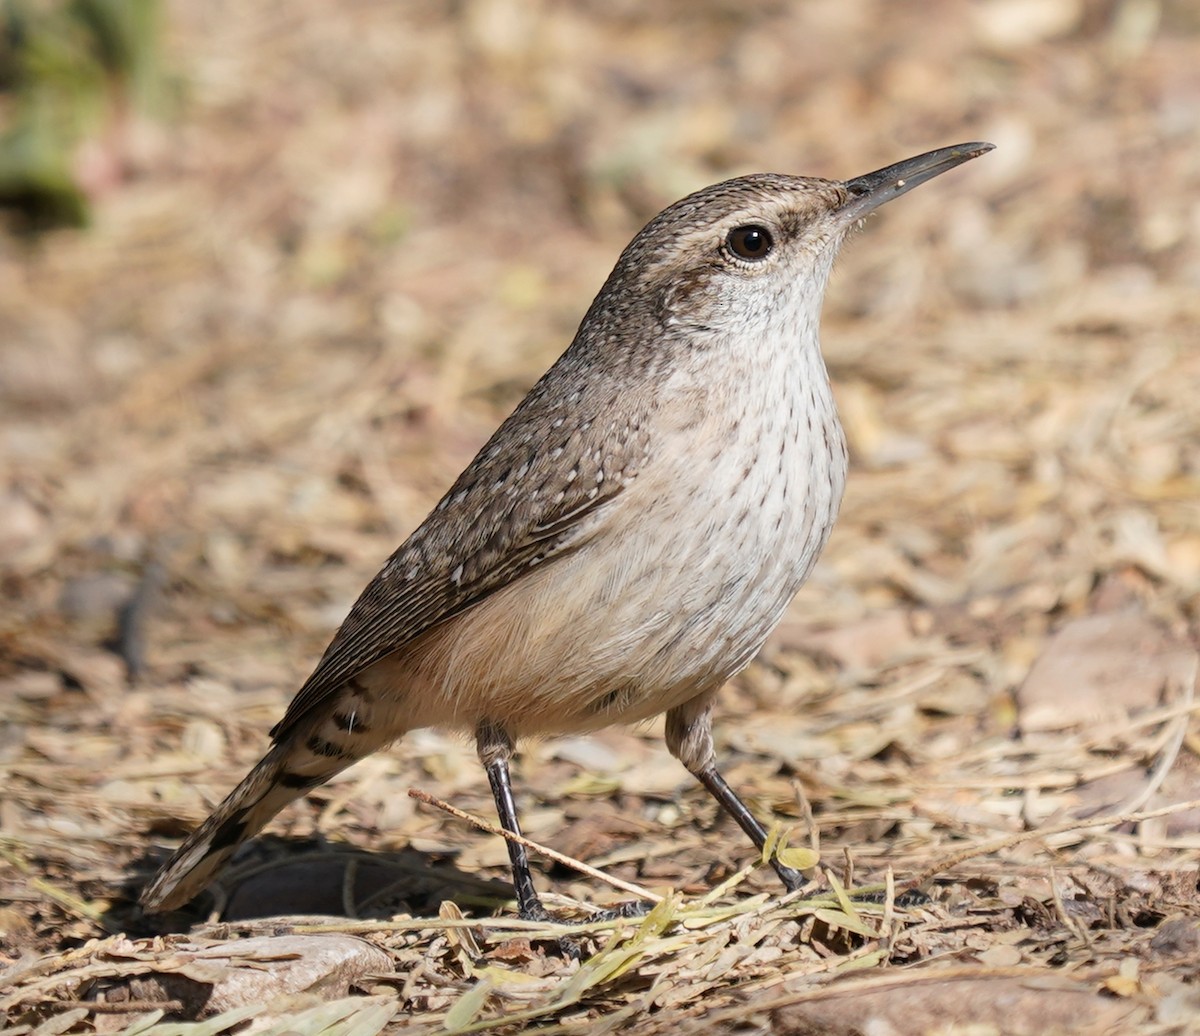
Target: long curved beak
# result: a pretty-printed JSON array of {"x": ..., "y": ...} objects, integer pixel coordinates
[{"x": 871, "y": 190}]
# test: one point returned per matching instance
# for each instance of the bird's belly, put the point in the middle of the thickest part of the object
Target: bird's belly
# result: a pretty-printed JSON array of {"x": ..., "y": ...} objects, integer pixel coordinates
[{"x": 653, "y": 612}]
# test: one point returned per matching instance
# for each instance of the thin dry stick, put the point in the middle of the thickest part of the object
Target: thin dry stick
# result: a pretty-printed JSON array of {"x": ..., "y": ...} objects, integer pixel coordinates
[
  {"x": 1070, "y": 923},
  {"x": 134, "y": 1006},
  {"x": 550, "y": 854},
  {"x": 806, "y": 813},
  {"x": 1171, "y": 752},
  {"x": 829, "y": 985},
  {"x": 1000, "y": 844},
  {"x": 887, "y": 931},
  {"x": 424, "y": 924}
]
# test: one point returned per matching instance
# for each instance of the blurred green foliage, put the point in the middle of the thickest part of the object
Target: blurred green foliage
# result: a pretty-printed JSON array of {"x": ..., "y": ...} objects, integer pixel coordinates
[{"x": 69, "y": 70}]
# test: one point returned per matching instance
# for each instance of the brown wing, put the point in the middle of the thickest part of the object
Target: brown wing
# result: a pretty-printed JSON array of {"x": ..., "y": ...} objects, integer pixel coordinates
[{"x": 533, "y": 494}]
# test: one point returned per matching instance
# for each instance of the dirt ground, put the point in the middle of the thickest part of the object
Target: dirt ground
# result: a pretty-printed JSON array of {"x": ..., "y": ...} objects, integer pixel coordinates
[{"x": 312, "y": 288}]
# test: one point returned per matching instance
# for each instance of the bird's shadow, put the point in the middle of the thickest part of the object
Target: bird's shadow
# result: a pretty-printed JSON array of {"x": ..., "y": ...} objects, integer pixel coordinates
[{"x": 278, "y": 878}]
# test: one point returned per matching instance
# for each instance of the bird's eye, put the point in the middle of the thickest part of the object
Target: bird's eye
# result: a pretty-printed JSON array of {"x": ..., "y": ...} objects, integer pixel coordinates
[{"x": 750, "y": 242}]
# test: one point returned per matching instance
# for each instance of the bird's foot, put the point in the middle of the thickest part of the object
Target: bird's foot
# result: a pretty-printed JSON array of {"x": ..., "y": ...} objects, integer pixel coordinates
[
  {"x": 567, "y": 945},
  {"x": 793, "y": 880},
  {"x": 634, "y": 908},
  {"x": 903, "y": 899}
]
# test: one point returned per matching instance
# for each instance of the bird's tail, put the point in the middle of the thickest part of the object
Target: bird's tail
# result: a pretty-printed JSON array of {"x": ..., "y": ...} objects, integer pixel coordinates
[{"x": 271, "y": 785}]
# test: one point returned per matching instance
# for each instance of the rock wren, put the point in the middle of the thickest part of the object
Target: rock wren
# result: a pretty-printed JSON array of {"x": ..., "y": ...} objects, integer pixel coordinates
[{"x": 629, "y": 536}]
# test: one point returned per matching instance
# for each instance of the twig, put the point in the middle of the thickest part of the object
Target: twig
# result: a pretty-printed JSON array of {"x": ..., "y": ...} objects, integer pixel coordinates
[
  {"x": 887, "y": 929},
  {"x": 1174, "y": 743},
  {"x": 1070, "y": 923},
  {"x": 514, "y": 925},
  {"x": 1000, "y": 844},
  {"x": 830, "y": 985},
  {"x": 550, "y": 854},
  {"x": 131, "y": 1006}
]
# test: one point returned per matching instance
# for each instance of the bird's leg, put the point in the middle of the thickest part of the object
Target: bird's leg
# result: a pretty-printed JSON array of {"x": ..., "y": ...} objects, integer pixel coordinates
[
  {"x": 495, "y": 749},
  {"x": 724, "y": 794},
  {"x": 689, "y": 737}
]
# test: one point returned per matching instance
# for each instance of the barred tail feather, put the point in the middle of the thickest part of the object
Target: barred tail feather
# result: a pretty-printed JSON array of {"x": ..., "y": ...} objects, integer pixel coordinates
[{"x": 266, "y": 789}]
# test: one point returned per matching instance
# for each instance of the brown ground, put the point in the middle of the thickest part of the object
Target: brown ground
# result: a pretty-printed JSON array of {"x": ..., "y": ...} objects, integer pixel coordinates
[{"x": 311, "y": 293}]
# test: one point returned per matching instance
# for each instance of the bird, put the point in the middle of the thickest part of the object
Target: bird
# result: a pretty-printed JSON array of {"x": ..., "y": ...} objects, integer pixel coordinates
[{"x": 625, "y": 541}]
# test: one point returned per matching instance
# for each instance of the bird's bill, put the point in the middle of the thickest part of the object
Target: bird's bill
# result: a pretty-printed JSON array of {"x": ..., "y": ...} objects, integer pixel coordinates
[{"x": 871, "y": 190}]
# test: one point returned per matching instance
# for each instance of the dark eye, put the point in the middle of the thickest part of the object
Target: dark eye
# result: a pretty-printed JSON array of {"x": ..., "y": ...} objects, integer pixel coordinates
[{"x": 751, "y": 242}]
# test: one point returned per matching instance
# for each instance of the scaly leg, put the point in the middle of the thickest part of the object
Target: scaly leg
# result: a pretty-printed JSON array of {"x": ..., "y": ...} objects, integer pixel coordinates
[
  {"x": 495, "y": 749},
  {"x": 689, "y": 737}
]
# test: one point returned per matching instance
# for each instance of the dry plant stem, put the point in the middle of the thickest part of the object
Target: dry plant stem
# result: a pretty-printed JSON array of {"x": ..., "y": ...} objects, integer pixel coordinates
[
  {"x": 1094, "y": 739},
  {"x": 810, "y": 821},
  {"x": 541, "y": 850},
  {"x": 134, "y": 1006},
  {"x": 1000, "y": 844},
  {"x": 1070, "y": 923},
  {"x": 887, "y": 933},
  {"x": 500, "y": 925},
  {"x": 887, "y": 980},
  {"x": 1175, "y": 741},
  {"x": 786, "y": 899}
]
